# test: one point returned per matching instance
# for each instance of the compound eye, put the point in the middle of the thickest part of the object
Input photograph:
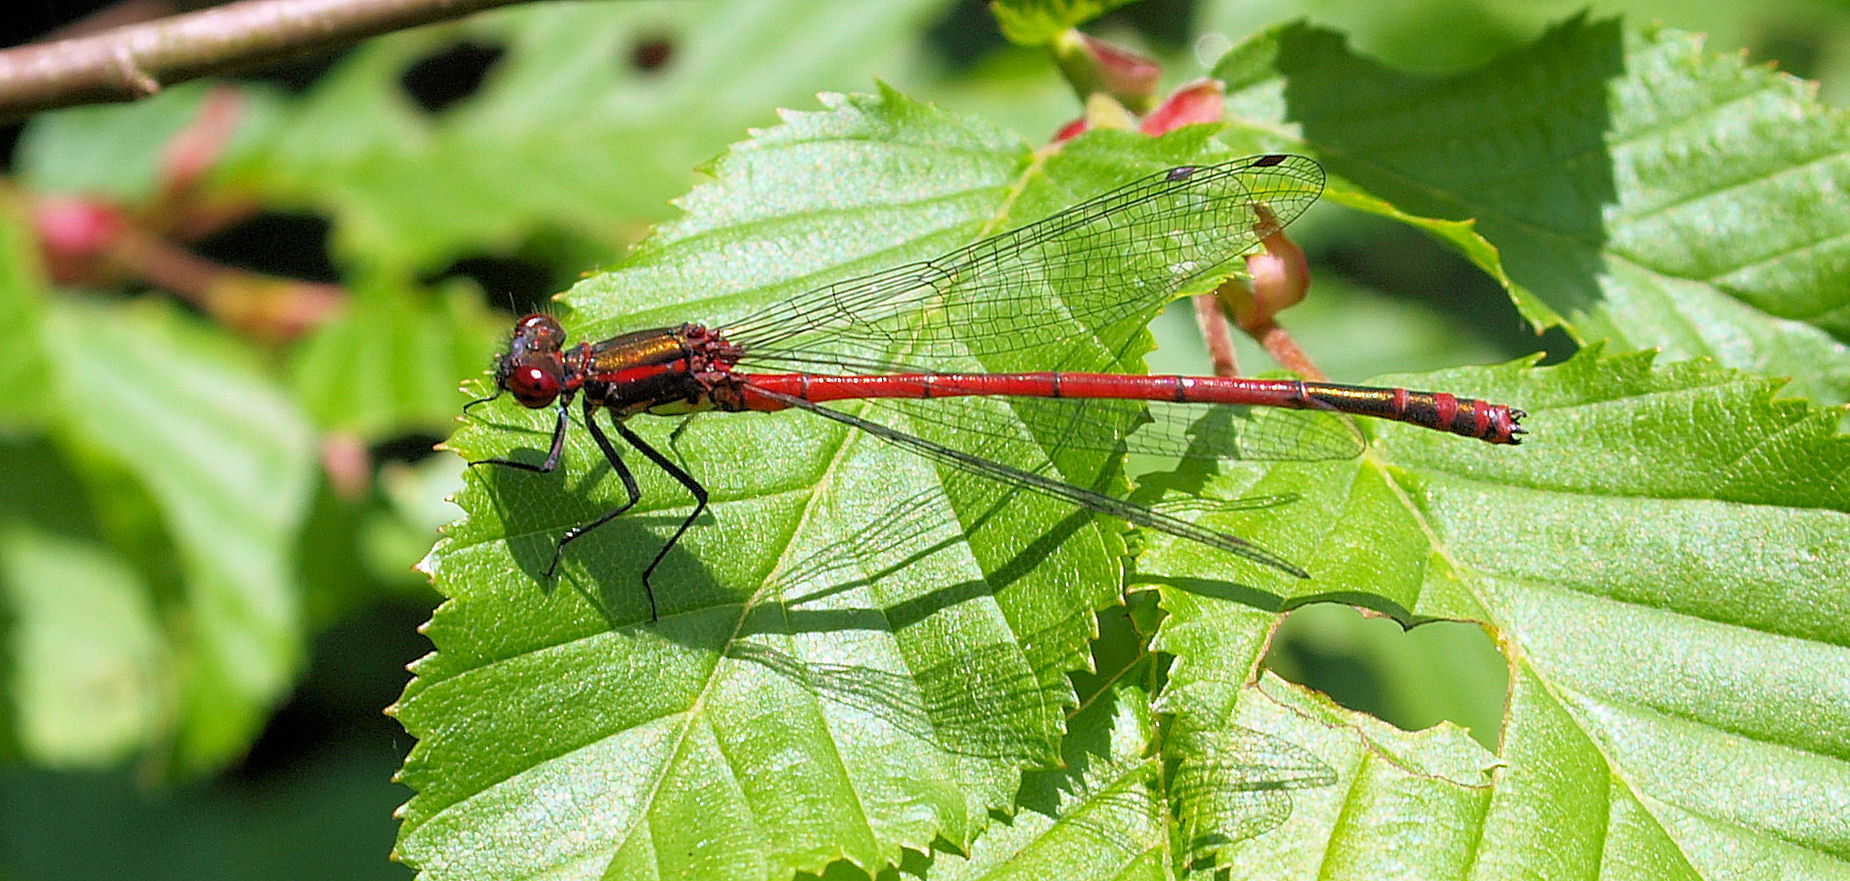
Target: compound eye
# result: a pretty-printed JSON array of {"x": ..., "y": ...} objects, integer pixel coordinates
[
  {"x": 532, "y": 386},
  {"x": 539, "y": 332}
]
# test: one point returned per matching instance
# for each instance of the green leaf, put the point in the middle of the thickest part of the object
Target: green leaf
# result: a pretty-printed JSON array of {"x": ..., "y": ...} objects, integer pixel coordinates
[
  {"x": 1038, "y": 22},
  {"x": 1662, "y": 560},
  {"x": 1253, "y": 793},
  {"x": 858, "y": 651},
  {"x": 1635, "y": 188},
  {"x": 172, "y": 504}
]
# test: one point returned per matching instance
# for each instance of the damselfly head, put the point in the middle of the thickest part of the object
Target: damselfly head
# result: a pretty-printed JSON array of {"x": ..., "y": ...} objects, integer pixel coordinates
[{"x": 533, "y": 370}]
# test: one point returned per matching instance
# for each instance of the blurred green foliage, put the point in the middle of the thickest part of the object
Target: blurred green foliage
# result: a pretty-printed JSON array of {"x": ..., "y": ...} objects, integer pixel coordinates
[{"x": 202, "y": 613}]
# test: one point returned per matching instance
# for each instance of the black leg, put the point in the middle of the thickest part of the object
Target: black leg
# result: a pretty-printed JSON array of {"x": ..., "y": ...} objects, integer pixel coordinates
[
  {"x": 629, "y": 486},
  {"x": 679, "y": 474},
  {"x": 552, "y": 458},
  {"x": 674, "y": 437}
]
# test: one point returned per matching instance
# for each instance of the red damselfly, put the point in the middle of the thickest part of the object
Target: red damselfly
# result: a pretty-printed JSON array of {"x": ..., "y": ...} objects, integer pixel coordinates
[{"x": 958, "y": 327}]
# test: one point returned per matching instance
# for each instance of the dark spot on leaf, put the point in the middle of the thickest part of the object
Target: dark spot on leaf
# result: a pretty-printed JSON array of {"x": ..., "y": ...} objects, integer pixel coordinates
[{"x": 652, "y": 53}]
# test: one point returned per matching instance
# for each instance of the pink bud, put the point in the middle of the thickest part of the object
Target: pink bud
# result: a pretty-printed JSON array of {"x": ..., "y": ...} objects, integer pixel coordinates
[
  {"x": 1121, "y": 73},
  {"x": 1071, "y": 130},
  {"x": 1199, "y": 101},
  {"x": 75, "y": 227}
]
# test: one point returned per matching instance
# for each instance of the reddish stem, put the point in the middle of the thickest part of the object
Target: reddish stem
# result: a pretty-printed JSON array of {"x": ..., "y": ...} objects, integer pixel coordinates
[
  {"x": 270, "y": 308},
  {"x": 1217, "y": 333},
  {"x": 1285, "y": 351}
]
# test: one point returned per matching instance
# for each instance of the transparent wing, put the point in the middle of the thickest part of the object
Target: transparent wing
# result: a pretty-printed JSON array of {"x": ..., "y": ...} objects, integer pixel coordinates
[{"x": 1103, "y": 268}]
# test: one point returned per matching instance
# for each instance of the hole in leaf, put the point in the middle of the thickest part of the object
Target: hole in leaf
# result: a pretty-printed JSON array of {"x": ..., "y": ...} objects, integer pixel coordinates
[
  {"x": 406, "y": 448},
  {"x": 522, "y": 285},
  {"x": 1413, "y": 679},
  {"x": 449, "y": 75},
  {"x": 288, "y": 245},
  {"x": 1404, "y": 262}
]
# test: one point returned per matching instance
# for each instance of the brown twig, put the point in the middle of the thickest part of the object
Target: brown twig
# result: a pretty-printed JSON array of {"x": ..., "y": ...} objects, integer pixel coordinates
[
  {"x": 135, "y": 61},
  {"x": 120, "y": 14}
]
